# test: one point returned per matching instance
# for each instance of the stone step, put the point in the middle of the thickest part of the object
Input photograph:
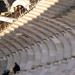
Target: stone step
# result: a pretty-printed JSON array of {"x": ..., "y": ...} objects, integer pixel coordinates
[
  {"x": 31, "y": 15},
  {"x": 41, "y": 29},
  {"x": 53, "y": 0},
  {"x": 17, "y": 53},
  {"x": 50, "y": 3},
  {"x": 6, "y": 19},
  {"x": 33, "y": 31},
  {"x": 70, "y": 38},
  {"x": 73, "y": 11},
  {"x": 69, "y": 18},
  {"x": 71, "y": 15},
  {"x": 68, "y": 23},
  {"x": 46, "y": 52},
  {"x": 48, "y": 29}
]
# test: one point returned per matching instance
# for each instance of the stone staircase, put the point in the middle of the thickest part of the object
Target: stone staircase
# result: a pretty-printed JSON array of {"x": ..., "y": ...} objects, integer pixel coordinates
[{"x": 39, "y": 43}]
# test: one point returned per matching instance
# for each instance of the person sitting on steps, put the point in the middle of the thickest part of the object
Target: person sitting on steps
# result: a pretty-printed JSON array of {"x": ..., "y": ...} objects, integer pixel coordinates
[{"x": 16, "y": 68}]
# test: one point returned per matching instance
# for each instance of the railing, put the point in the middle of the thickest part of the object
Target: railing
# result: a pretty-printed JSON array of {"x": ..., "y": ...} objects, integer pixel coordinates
[{"x": 16, "y": 15}]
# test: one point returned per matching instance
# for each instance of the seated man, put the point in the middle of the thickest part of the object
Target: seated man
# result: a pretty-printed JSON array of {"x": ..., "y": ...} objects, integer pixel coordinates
[{"x": 16, "y": 68}]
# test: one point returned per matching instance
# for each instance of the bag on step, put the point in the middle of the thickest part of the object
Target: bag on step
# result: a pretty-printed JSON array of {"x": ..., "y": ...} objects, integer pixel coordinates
[{"x": 11, "y": 70}]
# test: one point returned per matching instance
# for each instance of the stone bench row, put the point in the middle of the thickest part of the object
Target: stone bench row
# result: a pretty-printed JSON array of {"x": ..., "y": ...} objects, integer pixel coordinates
[
  {"x": 63, "y": 67},
  {"x": 39, "y": 42},
  {"x": 33, "y": 31}
]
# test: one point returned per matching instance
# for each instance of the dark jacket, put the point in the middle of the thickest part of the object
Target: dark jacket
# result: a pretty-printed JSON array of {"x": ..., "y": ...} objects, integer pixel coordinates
[
  {"x": 6, "y": 72},
  {"x": 16, "y": 67}
]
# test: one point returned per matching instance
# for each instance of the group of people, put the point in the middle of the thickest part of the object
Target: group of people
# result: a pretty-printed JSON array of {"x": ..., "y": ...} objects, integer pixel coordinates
[
  {"x": 15, "y": 69},
  {"x": 19, "y": 10}
]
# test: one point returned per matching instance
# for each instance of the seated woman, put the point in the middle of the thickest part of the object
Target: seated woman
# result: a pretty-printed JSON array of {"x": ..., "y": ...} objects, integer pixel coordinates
[{"x": 16, "y": 68}]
